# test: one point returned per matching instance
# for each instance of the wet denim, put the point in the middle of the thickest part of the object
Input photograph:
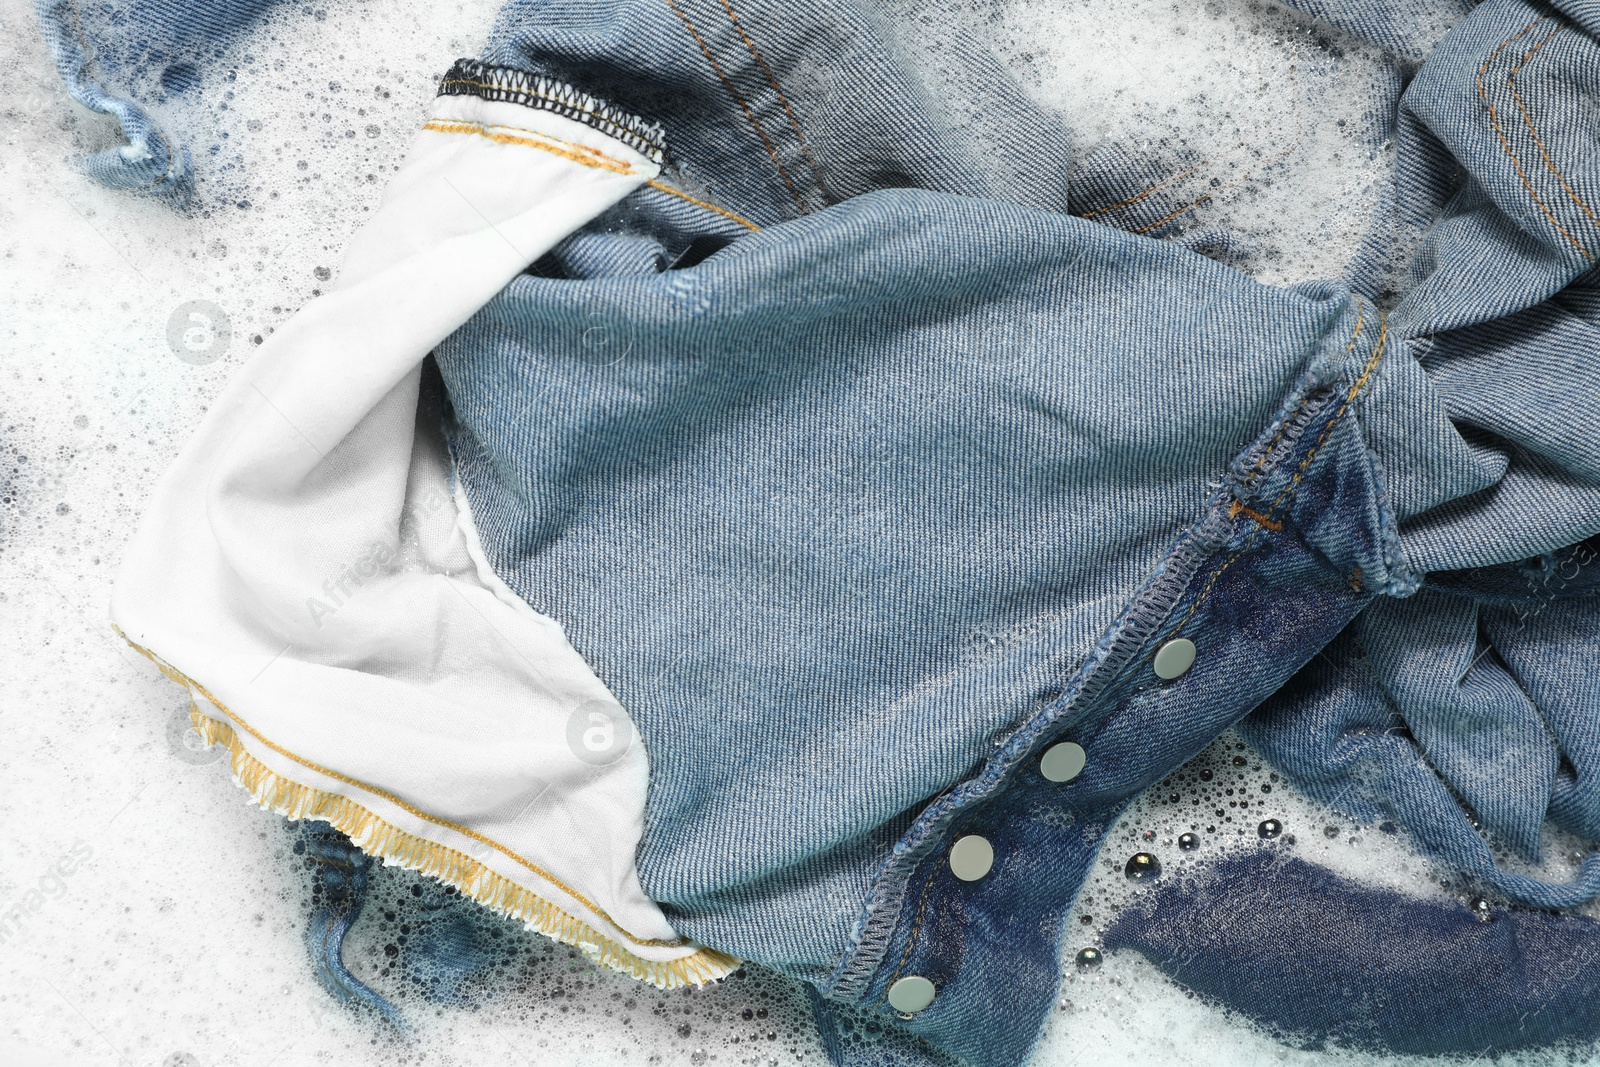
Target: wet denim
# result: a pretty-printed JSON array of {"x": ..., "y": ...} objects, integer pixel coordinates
[
  {"x": 866, "y": 471},
  {"x": 338, "y": 893},
  {"x": 133, "y": 60},
  {"x": 1322, "y": 961},
  {"x": 859, "y": 512},
  {"x": 1466, "y": 713}
]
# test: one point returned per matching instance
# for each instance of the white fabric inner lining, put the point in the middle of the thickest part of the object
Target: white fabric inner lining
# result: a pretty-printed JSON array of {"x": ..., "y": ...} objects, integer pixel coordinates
[{"x": 306, "y": 561}]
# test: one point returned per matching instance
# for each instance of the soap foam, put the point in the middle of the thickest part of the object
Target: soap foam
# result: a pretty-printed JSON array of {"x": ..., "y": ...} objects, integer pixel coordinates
[{"x": 161, "y": 914}]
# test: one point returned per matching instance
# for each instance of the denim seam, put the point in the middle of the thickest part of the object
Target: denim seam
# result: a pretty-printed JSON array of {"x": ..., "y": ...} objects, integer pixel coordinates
[
  {"x": 911, "y": 940},
  {"x": 1136, "y": 197},
  {"x": 1505, "y": 143},
  {"x": 1293, "y": 420},
  {"x": 1132, "y": 632},
  {"x": 1527, "y": 118},
  {"x": 755, "y": 124},
  {"x": 1379, "y": 346},
  {"x": 1169, "y": 216},
  {"x": 697, "y": 202},
  {"x": 1162, "y": 591},
  {"x": 487, "y": 81},
  {"x": 1286, "y": 496},
  {"x": 772, "y": 79}
]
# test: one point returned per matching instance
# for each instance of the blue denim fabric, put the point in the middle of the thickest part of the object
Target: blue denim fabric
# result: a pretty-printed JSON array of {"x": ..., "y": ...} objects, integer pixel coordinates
[
  {"x": 1469, "y": 707},
  {"x": 857, "y": 513},
  {"x": 1323, "y": 961},
  {"x": 130, "y": 59},
  {"x": 338, "y": 891}
]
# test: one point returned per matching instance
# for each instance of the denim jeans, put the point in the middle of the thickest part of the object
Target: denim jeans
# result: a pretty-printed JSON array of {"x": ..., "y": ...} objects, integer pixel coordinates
[
  {"x": 860, "y": 512},
  {"x": 864, "y": 465}
]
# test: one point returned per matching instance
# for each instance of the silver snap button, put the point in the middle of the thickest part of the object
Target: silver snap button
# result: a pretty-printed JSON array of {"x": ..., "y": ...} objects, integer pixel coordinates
[
  {"x": 1174, "y": 658},
  {"x": 911, "y": 994},
  {"x": 1063, "y": 762},
  {"x": 971, "y": 858}
]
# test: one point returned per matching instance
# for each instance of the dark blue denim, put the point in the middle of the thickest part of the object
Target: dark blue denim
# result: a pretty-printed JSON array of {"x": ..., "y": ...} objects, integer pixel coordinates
[
  {"x": 1322, "y": 961},
  {"x": 338, "y": 891}
]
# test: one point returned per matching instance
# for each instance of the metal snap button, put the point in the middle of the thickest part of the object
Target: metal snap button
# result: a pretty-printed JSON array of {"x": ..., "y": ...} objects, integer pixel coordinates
[
  {"x": 1062, "y": 762},
  {"x": 911, "y": 994},
  {"x": 1174, "y": 658},
  {"x": 971, "y": 857}
]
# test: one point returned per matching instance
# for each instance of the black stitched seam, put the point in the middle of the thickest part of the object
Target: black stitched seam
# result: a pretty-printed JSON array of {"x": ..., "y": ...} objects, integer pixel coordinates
[{"x": 470, "y": 77}]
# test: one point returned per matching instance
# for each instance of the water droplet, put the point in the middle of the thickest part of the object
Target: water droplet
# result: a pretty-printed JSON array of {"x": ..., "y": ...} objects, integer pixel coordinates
[
  {"x": 1239, "y": 761},
  {"x": 1205, "y": 776},
  {"x": 1188, "y": 842},
  {"x": 1089, "y": 957},
  {"x": 1142, "y": 867},
  {"x": 685, "y": 1030},
  {"x": 1269, "y": 829},
  {"x": 1481, "y": 910}
]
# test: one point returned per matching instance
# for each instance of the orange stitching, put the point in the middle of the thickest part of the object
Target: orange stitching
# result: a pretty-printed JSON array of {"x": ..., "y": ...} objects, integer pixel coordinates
[
  {"x": 748, "y": 114},
  {"x": 592, "y": 157},
  {"x": 680, "y": 194},
  {"x": 1366, "y": 373},
  {"x": 183, "y": 679},
  {"x": 1140, "y": 196},
  {"x": 1238, "y": 509},
  {"x": 1494, "y": 119},
  {"x": 589, "y": 157},
  {"x": 911, "y": 939},
  {"x": 1527, "y": 118},
  {"x": 1361, "y": 321},
  {"x": 773, "y": 80},
  {"x": 1361, "y": 382},
  {"x": 467, "y": 126},
  {"x": 1169, "y": 217}
]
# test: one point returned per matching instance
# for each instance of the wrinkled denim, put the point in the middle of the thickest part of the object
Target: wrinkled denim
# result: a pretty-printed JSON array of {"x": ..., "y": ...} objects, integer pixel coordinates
[
  {"x": 875, "y": 466},
  {"x": 926, "y": 457},
  {"x": 338, "y": 892},
  {"x": 1469, "y": 707},
  {"x": 133, "y": 59}
]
